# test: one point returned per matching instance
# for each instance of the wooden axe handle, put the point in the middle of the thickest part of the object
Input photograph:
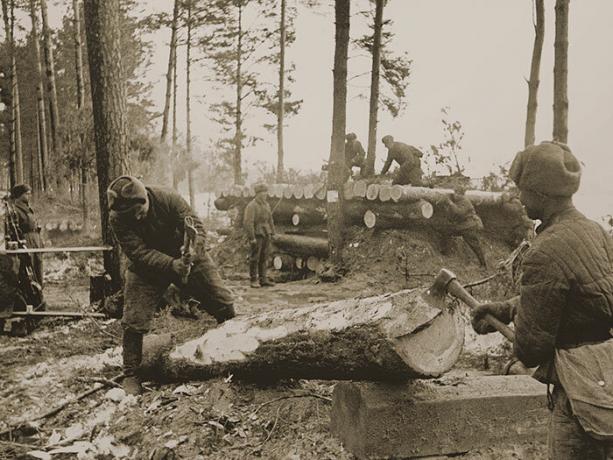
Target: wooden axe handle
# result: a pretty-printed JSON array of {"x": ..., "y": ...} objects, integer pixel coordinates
[{"x": 457, "y": 290}]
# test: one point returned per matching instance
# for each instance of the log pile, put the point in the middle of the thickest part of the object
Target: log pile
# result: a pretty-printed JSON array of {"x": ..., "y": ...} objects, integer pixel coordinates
[
  {"x": 377, "y": 206},
  {"x": 390, "y": 337}
]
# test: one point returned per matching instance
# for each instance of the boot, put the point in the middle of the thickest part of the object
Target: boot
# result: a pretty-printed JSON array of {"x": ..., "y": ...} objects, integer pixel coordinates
[
  {"x": 132, "y": 357},
  {"x": 265, "y": 282},
  {"x": 254, "y": 284}
]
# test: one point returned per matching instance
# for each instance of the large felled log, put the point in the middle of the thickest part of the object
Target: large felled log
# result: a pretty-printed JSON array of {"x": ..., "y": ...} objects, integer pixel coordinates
[
  {"x": 283, "y": 262},
  {"x": 391, "y": 337},
  {"x": 397, "y": 216},
  {"x": 312, "y": 214},
  {"x": 302, "y": 245}
]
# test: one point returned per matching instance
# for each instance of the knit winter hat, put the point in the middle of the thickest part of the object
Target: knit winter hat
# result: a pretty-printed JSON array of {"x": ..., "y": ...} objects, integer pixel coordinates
[
  {"x": 387, "y": 139},
  {"x": 257, "y": 188},
  {"x": 549, "y": 168},
  {"x": 125, "y": 193},
  {"x": 19, "y": 190},
  {"x": 351, "y": 136}
]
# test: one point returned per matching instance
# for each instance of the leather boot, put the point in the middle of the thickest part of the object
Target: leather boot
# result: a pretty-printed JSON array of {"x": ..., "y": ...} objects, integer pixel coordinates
[
  {"x": 132, "y": 357},
  {"x": 265, "y": 282}
]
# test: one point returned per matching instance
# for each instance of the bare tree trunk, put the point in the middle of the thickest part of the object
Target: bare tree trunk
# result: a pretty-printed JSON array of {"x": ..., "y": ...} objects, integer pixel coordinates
[
  {"x": 40, "y": 97},
  {"x": 78, "y": 49},
  {"x": 336, "y": 176},
  {"x": 18, "y": 144},
  {"x": 7, "y": 14},
  {"x": 40, "y": 170},
  {"x": 172, "y": 54},
  {"x": 188, "y": 135},
  {"x": 535, "y": 68},
  {"x": 560, "y": 73},
  {"x": 374, "y": 89},
  {"x": 54, "y": 116},
  {"x": 281, "y": 111},
  {"x": 173, "y": 150},
  {"x": 238, "y": 136},
  {"x": 109, "y": 108}
]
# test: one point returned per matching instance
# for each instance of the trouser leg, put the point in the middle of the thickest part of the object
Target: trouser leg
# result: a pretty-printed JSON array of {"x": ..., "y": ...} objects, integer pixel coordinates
[
  {"x": 473, "y": 241},
  {"x": 132, "y": 351},
  {"x": 254, "y": 253},
  {"x": 567, "y": 440},
  {"x": 206, "y": 286},
  {"x": 264, "y": 245}
]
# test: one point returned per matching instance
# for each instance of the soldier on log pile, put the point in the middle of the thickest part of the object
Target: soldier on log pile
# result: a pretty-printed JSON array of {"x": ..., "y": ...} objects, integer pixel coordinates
[
  {"x": 354, "y": 153},
  {"x": 564, "y": 314},
  {"x": 464, "y": 222},
  {"x": 409, "y": 159},
  {"x": 260, "y": 228},
  {"x": 149, "y": 224}
]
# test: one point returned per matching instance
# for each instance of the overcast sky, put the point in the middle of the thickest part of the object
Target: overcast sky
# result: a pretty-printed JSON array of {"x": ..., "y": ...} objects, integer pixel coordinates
[{"x": 471, "y": 55}]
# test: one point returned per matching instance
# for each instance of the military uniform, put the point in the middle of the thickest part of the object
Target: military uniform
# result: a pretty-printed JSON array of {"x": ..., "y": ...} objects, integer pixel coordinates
[
  {"x": 465, "y": 223},
  {"x": 409, "y": 159},
  {"x": 354, "y": 154},
  {"x": 259, "y": 227},
  {"x": 30, "y": 231},
  {"x": 565, "y": 307},
  {"x": 153, "y": 246}
]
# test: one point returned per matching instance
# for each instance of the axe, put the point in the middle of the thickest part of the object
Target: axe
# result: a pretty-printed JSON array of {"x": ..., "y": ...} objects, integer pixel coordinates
[{"x": 447, "y": 283}]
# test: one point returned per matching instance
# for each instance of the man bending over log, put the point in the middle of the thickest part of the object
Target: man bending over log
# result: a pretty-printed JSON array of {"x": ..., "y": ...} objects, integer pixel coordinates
[
  {"x": 564, "y": 313},
  {"x": 149, "y": 224},
  {"x": 409, "y": 159},
  {"x": 354, "y": 153},
  {"x": 464, "y": 222},
  {"x": 260, "y": 228}
]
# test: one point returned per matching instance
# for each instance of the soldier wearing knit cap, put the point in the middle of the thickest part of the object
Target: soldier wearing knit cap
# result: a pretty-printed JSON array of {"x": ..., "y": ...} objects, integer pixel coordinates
[
  {"x": 354, "y": 153},
  {"x": 148, "y": 223},
  {"x": 564, "y": 314},
  {"x": 409, "y": 159}
]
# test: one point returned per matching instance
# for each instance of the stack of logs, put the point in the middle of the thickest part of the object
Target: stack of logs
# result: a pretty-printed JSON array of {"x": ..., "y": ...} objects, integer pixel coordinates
[{"x": 302, "y": 208}]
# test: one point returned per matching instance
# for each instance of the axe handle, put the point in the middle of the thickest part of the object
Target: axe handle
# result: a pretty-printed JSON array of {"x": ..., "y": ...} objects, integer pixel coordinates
[{"x": 457, "y": 290}]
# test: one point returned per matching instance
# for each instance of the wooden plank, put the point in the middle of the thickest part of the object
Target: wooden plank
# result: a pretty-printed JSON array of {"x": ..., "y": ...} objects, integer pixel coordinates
[{"x": 56, "y": 250}]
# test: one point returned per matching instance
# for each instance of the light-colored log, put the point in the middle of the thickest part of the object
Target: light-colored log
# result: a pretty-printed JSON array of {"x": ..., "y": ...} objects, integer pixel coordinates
[
  {"x": 298, "y": 191},
  {"x": 359, "y": 189},
  {"x": 313, "y": 263},
  {"x": 372, "y": 192},
  {"x": 385, "y": 193},
  {"x": 309, "y": 191}
]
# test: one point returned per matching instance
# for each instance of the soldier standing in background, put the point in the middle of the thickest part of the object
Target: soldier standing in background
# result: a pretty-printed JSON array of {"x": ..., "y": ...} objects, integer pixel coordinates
[
  {"x": 259, "y": 227},
  {"x": 354, "y": 153}
]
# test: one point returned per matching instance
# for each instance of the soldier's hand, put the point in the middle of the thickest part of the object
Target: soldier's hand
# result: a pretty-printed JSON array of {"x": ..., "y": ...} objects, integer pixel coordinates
[
  {"x": 253, "y": 242},
  {"x": 500, "y": 310},
  {"x": 180, "y": 268}
]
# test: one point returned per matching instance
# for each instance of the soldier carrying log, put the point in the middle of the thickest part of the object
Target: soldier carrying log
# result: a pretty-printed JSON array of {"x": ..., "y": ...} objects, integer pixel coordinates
[
  {"x": 409, "y": 159},
  {"x": 464, "y": 222},
  {"x": 149, "y": 224},
  {"x": 260, "y": 228},
  {"x": 564, "y": 314}
]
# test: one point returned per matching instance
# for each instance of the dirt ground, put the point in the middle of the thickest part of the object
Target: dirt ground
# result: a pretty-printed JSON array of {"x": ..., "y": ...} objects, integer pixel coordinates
[{"x": 221, "y": 418}]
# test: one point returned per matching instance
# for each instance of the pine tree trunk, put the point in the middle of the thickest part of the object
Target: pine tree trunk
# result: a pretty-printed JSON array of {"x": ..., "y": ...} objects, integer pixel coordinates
[
  {"x": 172, "y": 54},
  {"x": 535, "y": 68},
  {"x": 18, "y": 144},
  {"x": 109, "y": 108},
  {"x": 238, "y": 136},
  {"x": 560, "y": 73},
  {"x": 188, "y": 134},
  {"x": 336, "y": 176},
  {"x": 173, "y": 150},
  {"x": 40, "y": 97},
  {"x": 374, "y": 90},
  {"x": 8, "y": 17},
  {"x": 54, "y": 116},
  {"x": 281, "y": 111},
  {"x": 80, "y": 106}
]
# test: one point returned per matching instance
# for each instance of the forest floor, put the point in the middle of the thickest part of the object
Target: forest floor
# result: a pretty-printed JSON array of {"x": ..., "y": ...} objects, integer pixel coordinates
[{"x": 221, "y": 418}]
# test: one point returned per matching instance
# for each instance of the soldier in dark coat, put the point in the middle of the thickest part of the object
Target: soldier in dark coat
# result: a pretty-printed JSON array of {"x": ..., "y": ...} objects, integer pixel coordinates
[
  {"x": 354, "y": 153},
  {"x": 148, "y": 223},
  {"x": 464, "y": 222},
  {"x": 564, "y": 313},
  {"x": 260, "y": 228},
  {"x": 409, "y": 159},
  {"x": 28, "y": 227}
]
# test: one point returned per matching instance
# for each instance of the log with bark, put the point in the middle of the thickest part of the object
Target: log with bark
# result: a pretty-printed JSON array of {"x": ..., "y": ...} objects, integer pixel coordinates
[
  {"x": 392, "y": 337},
  {"x": 302, "y": 245}
]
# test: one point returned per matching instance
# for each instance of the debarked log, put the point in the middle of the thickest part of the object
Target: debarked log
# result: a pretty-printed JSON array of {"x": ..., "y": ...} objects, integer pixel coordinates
[
  {"x": 302, "y": 245},
  {"x": 388, "y": 215},
  {"x": 391, "y": 337}
]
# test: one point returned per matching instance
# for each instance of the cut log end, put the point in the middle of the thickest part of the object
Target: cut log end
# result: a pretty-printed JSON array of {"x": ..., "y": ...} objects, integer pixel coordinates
[
  {"x": 372, "y": 192},
  {"x": 295, "y": 220},
  {"x": 313, "y": 264},
  {"x": 370, "y": 219}
]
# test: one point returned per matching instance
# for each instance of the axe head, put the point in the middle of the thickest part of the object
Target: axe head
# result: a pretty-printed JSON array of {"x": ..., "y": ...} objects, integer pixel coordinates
[{"x": 442, "y": 280}]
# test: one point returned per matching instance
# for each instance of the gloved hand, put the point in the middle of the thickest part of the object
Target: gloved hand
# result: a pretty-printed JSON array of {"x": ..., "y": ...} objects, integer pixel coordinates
[
  {"x": 503, "y": 311},
  {"x": 180, "y": 268}
]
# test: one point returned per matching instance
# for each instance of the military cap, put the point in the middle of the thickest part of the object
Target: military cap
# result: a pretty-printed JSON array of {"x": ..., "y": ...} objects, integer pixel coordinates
[
  {"x": 19, "y": 190},
  {"x": 125, "y": 193},
  {"x": 351, "y": 136},
  {"x": 549, "y": 168},
  {"x": 387, "y": 139},
  {"x": 260, "y": 188}
]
